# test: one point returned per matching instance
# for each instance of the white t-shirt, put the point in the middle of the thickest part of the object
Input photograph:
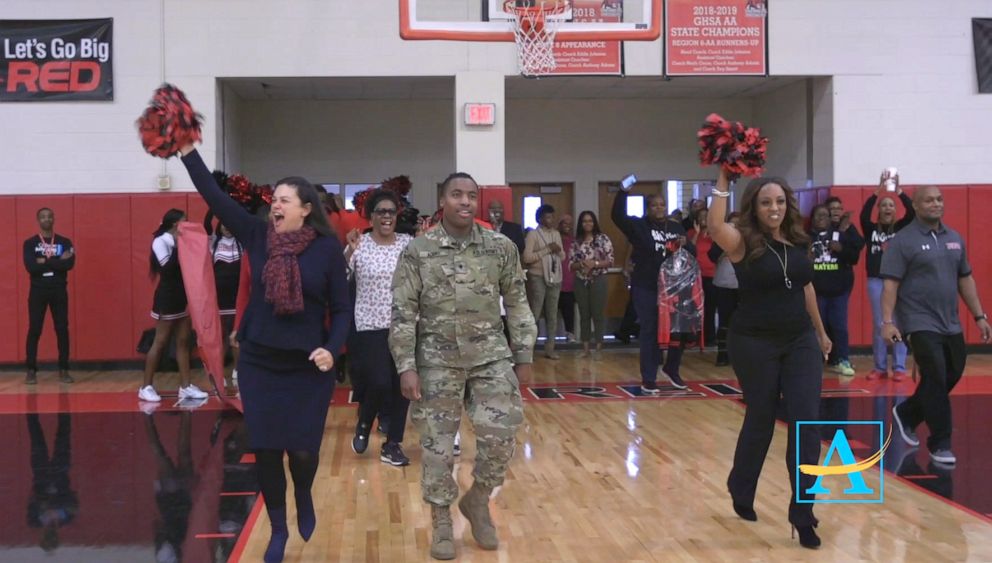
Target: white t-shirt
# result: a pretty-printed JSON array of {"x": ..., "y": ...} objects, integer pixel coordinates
[{"x": 373, "y": 265}]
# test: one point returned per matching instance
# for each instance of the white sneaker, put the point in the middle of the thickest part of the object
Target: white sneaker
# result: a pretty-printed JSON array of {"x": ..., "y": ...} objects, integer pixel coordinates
[
  {"x": 147, "y": 393},
  {"x": 191, "y": 392}
]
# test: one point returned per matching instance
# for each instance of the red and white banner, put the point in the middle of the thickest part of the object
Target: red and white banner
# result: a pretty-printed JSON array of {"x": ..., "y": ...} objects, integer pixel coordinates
[
  {"x": 591, "y": 57},
  {"x": 716, "y": 37}
]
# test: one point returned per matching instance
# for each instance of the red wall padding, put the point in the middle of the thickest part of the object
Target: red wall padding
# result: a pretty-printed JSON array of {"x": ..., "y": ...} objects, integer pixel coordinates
[
  {"x": 111, "y": 294},
  {"x": 495, "y": 193},
  {"x": 979, "y": 248},
  {"x": 102, "y": 278},
  {"x": 11, "y": 263}
]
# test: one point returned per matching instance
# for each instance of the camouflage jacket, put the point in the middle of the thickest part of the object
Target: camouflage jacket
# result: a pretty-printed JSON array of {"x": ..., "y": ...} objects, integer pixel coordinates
[{"x": 446, "y": 302}]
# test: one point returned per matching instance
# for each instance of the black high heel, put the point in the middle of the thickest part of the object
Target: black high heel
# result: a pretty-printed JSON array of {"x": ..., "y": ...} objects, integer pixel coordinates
[
  {"x": 807, "y": 536},
  {"x": 746, "y": 512}
]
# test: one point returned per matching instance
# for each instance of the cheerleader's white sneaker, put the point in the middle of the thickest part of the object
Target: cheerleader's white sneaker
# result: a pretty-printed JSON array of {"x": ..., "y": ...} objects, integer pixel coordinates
[
  {"x": 148, "y": 393},
  {"x": 191, "y": 392}
]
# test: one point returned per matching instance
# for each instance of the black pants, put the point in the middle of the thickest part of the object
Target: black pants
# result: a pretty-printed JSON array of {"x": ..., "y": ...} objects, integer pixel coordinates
[
  {"x": 628, "y": 325},
  {"x": 566, "y": 304},
  {"x": 790, "y": 367},
  {"x": 40, "y": 299},
  {"x": 709, "y": 312},
  {"x": 941, "y": 359},
  {"x": 373, "y": 364}
]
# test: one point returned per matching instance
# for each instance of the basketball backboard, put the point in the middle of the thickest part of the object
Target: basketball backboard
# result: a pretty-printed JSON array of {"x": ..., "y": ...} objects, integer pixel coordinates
[{"x": 487, "y": 20}]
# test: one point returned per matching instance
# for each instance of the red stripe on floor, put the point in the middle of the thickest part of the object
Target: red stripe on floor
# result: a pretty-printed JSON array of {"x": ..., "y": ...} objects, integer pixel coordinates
[{"x": 246, "y": 530}]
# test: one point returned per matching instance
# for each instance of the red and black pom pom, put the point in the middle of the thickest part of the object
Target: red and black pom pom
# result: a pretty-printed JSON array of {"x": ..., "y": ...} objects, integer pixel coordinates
[
  {"x": 740, "y": 150},
  {"x": 360, "y": 199},
  {"x": 168, "y": 123}
]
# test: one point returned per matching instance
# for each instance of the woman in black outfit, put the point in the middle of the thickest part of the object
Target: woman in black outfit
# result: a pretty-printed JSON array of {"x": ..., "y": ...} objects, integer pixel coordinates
[
  {"x": 877, "y": 236},
  {"x": 777, "y": 342},
  {"x": 287, "y": 353}
]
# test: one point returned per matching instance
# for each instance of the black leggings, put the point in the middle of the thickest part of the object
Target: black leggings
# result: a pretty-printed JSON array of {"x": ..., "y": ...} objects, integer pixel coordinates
[
  {"x": 40, "y": 300},
  {"x": 272, "y": 476},
  {"x": 767, "y": 368},
  {"x": 373, "y": 366}
]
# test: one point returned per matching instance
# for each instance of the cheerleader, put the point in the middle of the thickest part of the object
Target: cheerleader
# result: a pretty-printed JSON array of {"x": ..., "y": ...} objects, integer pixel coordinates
[{"x": 169, "y": 310}]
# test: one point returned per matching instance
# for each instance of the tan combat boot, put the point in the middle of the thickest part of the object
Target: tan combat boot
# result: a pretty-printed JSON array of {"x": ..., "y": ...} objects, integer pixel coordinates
[
  {"x": 475, "y": 507},
  {"x": 443, "y": 537}
]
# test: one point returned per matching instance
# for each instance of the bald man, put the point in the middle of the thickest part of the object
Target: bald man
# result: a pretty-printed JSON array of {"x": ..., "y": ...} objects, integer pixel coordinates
[
  {"x": 511, "y": 230},
  {"x": 924, "y": 269}
]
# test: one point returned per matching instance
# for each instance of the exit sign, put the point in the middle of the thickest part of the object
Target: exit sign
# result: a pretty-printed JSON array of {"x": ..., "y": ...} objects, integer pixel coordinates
[{"x": 480, "y": 114}]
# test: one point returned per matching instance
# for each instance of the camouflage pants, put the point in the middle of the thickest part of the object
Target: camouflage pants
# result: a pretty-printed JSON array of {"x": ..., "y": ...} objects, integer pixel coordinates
[{"x": 494, "y": 405}]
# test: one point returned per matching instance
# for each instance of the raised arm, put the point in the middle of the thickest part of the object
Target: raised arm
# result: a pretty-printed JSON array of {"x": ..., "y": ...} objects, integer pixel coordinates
[
  {"x": 910, "y": 214},
  {"x": 232, "y": 215},
  {"x": 620, "y": 217},
  {"x": 722, "y": 232},
  {"x": 867, "y": 226},
  {"x": 519, "y": 319}
]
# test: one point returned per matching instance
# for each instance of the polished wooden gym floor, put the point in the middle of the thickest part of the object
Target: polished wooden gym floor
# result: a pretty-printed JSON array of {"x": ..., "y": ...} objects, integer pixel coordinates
[{"x": 600, "y": 475}]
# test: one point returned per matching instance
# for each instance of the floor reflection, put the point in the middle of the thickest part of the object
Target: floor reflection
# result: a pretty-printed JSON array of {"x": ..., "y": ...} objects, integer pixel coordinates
[
  {"x": 165, "y": 486},
  {"x": 963, "y": 483}
]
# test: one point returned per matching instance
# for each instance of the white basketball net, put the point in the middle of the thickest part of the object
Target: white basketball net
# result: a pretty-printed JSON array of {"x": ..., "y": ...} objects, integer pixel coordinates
[{"x": 535, "y": 36}]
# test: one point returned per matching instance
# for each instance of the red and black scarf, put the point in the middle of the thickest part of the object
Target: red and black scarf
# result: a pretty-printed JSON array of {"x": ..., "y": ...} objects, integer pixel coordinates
[{"x": 281, "y": 274}]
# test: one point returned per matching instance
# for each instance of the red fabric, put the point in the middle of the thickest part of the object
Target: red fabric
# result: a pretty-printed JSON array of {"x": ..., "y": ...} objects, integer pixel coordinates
[
  {"x": 703, "y": 244},
  {"x": 281, "y": 274},
  {"x": 350, "y": 220},
  {"x": 334, "y": 218},
  {"x": 201, "y": 292}
]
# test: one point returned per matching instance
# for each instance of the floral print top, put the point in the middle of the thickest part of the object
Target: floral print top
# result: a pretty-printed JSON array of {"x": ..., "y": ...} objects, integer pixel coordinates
[{"x": 599, "y": 249}]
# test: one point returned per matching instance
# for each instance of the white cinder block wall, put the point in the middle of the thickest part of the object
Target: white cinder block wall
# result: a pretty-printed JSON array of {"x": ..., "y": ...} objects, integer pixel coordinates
[{"x": 902, "y": 91}]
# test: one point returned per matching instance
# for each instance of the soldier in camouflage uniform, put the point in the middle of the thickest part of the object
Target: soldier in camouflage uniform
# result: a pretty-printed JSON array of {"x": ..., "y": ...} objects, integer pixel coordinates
[{"x": 446, "y": 338}]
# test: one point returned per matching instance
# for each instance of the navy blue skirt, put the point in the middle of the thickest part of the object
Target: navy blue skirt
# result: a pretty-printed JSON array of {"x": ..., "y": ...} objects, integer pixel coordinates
[{"x": 285, "y": 398}]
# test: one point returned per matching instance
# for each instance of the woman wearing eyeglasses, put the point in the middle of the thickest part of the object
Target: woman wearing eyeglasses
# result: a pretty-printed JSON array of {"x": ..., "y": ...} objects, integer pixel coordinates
[{"x": 372, "y": 260}]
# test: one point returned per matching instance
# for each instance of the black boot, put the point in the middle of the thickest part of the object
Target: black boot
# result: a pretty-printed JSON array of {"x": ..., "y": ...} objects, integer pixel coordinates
[
  {"x": 807, "y": 536},
  {"x": 280, "y": 535}
]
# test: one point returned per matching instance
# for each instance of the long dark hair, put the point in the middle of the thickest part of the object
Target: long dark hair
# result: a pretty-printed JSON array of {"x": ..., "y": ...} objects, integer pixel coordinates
[
  {"x": 579, "y": 233},
  {"x": 754, "y": 234},
  {"x": 317, "y": 218},
  {"x": 169, "y": 221}
]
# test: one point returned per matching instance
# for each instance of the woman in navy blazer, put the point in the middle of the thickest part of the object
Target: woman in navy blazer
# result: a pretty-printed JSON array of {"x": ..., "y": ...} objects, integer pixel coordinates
[{"x": 288, "y": 350}]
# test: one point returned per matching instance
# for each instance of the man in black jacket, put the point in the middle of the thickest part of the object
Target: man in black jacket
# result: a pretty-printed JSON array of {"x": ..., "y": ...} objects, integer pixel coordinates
[
  {"x": 511, "y": 230},
  {"x": 48, "y": 257}
]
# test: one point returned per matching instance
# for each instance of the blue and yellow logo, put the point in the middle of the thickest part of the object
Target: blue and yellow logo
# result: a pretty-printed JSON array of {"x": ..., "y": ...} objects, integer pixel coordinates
[{"x": 857, "y": 491}]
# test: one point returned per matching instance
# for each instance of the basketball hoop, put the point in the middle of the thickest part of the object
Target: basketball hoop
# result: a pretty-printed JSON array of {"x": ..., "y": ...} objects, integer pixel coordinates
[{"x": 534, "y": 29}]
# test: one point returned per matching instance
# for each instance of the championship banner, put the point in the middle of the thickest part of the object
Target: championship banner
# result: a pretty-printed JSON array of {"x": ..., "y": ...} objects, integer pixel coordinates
[
  {"x": 591, "y": 57},
  {"x": 716, "y": 38},
  {"x": 56, "y": 60}
]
